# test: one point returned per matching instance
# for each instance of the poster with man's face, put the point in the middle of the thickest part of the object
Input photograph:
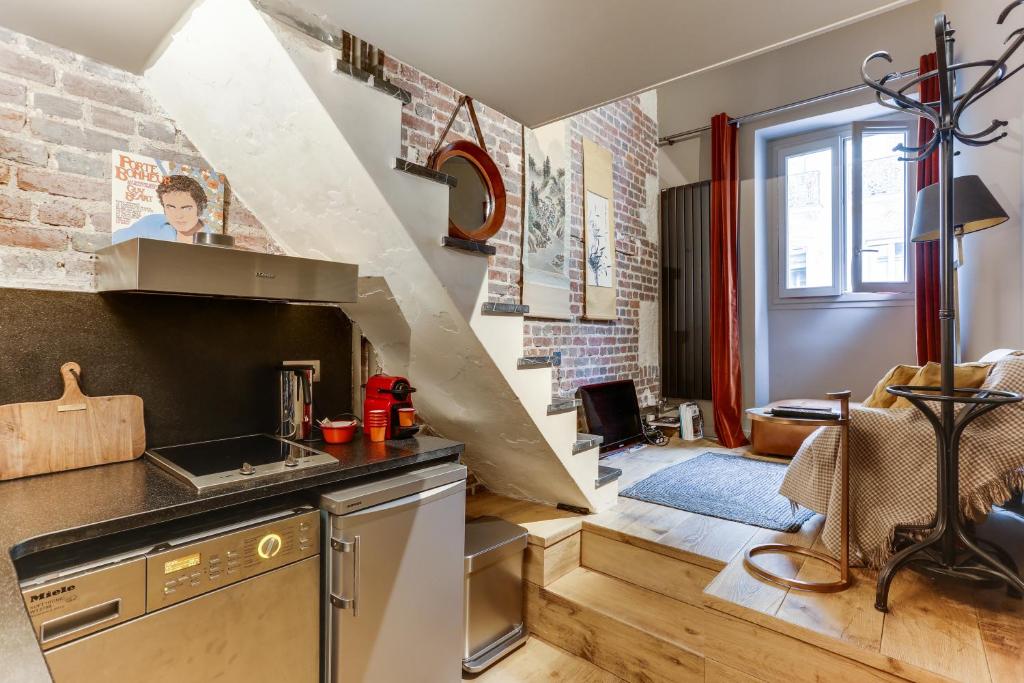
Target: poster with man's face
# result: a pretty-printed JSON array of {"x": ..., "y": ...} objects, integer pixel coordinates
[{"x": 160, "y": 199}]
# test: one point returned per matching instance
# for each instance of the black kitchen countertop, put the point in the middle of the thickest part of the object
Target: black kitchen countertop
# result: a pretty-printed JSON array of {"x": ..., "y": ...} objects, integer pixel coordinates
[{"x": 45, "y": 511}]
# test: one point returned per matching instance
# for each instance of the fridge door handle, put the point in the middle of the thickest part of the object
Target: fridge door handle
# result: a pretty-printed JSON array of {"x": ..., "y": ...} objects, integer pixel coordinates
[{"x": 346, "y": 548}]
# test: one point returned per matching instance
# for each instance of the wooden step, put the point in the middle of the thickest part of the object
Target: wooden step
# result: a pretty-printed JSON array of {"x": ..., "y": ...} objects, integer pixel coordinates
[
  {"x": 606, "y": 475},
  {"x": 540, "y": 661},
  {"x": 374, "y": 81},
  {"x": 503, "y": 308},
  {"x": 669, "y": 576},
  {"x": 565, "y": 405},
  {"x": 424, "y": 172},
  {"x": 634, "y": 633},
  {"x": 468, "y": 246},
  {"x": 584, "y": 442}
]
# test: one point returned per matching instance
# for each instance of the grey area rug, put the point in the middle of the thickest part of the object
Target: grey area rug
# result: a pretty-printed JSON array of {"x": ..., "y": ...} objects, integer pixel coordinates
[{"x": 725, "y": 486}]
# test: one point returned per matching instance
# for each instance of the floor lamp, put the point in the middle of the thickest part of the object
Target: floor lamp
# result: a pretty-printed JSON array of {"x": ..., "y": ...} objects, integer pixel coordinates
[
  {"x": 947, "y": 546},
  {"x": 975, "y": 209}
]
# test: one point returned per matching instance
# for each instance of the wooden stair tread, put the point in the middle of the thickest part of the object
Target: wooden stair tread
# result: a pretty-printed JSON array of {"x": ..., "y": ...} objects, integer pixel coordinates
[
  {"x": 651, "y": 613},
  {"x": 559, "y": 406},
  {"x": 503, "y": 308},
  {"x": 421, "y": 171},
  {"x": 533, "y": 362},
  {"x": 538, "y": 661},
  {"x": 606, "y": 475}
]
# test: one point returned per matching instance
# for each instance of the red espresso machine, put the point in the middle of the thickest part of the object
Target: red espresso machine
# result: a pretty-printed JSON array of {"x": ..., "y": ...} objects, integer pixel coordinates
[{"x": 389, "y": 393}]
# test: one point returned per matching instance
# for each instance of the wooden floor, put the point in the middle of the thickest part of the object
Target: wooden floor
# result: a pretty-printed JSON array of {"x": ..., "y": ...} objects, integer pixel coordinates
[{"x": 933, "y": 632}]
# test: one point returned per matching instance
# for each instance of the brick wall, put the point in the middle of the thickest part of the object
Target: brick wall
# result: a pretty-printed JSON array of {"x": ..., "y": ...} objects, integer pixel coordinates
[
  {"x": 60, "y": 116},
  {"x": 62, "y": 113},
  {"x": 592, "y": 351}
]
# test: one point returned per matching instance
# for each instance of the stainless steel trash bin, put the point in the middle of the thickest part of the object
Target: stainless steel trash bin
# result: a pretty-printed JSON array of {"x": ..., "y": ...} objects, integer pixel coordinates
[{"x": 493, "y": 610}]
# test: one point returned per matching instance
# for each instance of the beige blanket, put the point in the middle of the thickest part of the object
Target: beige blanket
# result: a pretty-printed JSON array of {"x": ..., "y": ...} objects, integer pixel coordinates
[{"x": 893, "y": 469}]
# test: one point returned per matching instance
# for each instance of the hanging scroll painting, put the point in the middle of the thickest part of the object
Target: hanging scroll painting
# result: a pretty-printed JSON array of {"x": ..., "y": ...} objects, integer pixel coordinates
[
  {"x": 546, "y": 221},
  {"x": 598, "y": 233}
]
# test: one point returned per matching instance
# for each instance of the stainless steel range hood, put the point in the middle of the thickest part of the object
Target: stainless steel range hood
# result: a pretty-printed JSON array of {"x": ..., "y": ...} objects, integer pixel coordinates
[{"x": 155, "y": 266}]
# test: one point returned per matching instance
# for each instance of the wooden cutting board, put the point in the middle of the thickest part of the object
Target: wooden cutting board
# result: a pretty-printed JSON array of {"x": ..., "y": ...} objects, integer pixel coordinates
[{"x": 74, "y": 431}]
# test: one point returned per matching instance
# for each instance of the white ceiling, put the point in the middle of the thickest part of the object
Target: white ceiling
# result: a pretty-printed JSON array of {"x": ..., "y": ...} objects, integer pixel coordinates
[
  {"x": 119, "y": 32},
  {"x": 535, "y": 60}
]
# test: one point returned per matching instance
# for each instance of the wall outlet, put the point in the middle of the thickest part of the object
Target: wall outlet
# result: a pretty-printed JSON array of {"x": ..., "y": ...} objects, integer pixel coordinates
[{"x": 314, "y": 363}]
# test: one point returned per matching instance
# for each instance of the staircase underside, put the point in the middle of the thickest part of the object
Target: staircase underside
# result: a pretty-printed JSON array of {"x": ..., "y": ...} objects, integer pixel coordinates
[{"x": 311, "y": 151}]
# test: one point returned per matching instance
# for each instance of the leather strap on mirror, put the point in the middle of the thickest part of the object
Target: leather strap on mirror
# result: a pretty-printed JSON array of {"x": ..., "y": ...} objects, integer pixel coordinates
[{"x": 466, "y": 101}]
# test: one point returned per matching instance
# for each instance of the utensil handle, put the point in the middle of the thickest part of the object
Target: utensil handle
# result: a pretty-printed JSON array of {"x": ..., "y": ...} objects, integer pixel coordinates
[{"x": 71, "y": 372}]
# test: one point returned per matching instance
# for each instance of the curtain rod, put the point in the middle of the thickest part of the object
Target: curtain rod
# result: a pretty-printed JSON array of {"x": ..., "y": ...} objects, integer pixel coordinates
[{"x": 669, "y": 140}]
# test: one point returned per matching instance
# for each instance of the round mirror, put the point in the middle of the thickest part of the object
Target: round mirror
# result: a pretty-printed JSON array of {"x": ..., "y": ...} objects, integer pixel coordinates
[
  {"x": 476, "y": 205},
  {"x": 469, "y": 202}
]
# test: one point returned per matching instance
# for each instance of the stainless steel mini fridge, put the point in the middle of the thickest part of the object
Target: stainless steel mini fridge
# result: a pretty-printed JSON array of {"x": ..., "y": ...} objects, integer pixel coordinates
[{"x": 394, "y": 578}]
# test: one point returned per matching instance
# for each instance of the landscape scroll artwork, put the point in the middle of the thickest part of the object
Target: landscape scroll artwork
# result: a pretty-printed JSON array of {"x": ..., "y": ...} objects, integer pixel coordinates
[
  {"x": 598, "y": 233},
  {"x": 546, "y": 230}
]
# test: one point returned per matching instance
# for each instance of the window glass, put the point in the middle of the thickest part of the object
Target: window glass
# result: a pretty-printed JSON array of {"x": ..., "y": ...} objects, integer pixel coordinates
[
  {"x": 809, "y": 219},
  {"x": 883, "y": 208}
]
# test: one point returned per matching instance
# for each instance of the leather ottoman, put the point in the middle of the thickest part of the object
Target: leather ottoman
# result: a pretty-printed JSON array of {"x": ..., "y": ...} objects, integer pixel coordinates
[{"x": 771, "y": 438}]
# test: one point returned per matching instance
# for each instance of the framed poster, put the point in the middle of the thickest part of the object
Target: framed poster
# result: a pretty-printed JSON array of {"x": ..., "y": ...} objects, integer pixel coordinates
[
  {"x": 163, "y": 200},
  {"x": 598, "y": 233},
  {"x": 546, "y": 221}
]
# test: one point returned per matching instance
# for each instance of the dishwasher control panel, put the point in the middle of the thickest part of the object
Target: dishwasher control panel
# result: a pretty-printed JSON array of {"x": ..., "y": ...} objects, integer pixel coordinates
[{"x": 192, "y": 568}]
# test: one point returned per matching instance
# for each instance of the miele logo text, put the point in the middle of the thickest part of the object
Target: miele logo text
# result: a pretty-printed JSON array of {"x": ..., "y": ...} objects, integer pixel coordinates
[
  {"x": 50, "y": 594},
  {"x": 265, "y": 275}
]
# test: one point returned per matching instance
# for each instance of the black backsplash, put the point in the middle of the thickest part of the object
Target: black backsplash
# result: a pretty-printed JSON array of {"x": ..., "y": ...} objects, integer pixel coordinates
[{"x": 205, "y": 368}]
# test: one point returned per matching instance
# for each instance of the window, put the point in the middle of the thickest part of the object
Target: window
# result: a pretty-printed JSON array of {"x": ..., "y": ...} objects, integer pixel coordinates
[{"x": 844, "y": 205}]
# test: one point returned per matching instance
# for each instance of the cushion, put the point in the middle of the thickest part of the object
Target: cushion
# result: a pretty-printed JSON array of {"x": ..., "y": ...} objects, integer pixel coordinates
[
  {"x": 965, "y": 375},
  {"x": 880, "y": 398}
]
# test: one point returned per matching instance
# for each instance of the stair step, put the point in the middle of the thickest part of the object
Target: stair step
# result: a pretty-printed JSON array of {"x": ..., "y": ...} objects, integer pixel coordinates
[
  {"x": 424, "y": 172},
  {"x": 564, "y": 406},
  {"x": 468, "y": 246},
  {"x": 606, "y": 475},
  {"x": 542, "y": 661},
  {"x": 502, "y": 308},
  {"x": 374, "y": 81},
  {"x": 584, "y": 442},
  {"x": 531, "y": 362},
  {"x": 634, "y": 633}
]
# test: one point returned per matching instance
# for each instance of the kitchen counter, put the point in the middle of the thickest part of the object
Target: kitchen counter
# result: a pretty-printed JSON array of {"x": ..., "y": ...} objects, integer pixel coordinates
[{"x": 50, "y": 510}]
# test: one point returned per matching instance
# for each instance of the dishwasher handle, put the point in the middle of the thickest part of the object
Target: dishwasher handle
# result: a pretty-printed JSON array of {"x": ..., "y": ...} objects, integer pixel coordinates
[{"x": 346, "y": 549}]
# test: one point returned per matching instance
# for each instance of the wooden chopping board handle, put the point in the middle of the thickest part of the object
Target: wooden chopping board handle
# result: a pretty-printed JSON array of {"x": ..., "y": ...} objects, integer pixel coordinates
[{"x": 72, "y": 391}]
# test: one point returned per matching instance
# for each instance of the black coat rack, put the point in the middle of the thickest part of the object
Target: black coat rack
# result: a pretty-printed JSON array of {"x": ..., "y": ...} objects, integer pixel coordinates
[{"x": 948, "y": 546}]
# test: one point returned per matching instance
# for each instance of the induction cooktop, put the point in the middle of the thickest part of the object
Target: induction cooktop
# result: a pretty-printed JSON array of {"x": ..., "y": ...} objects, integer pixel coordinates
[{"x": 208, "y": 465}]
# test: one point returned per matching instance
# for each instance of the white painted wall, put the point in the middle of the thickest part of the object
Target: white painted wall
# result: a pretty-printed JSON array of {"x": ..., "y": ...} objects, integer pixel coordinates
[
  {"x": 798, "y": 352},
  {"x": 991, "y": 286}
]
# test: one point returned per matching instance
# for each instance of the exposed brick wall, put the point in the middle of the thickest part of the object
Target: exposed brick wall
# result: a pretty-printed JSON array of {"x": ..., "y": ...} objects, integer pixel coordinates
[
  {"x": 423, "y": 121},
  {"x": 62, "y": 113},
  {"x": 592, "y": 351},
  {"x": 60, "y": 116}
]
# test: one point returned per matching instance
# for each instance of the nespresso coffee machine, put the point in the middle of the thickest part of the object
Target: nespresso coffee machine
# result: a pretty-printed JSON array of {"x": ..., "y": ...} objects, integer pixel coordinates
[
  {"x": 389, "y": 393},
  {"x": 296, "y": 402}
]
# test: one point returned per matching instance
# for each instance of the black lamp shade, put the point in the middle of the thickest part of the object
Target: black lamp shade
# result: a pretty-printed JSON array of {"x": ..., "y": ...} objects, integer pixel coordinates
[{"x": 974, "y": 208}]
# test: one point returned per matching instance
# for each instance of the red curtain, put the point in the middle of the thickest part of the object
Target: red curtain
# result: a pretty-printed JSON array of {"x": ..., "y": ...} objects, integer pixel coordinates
[
  {"x": 726, "y": 387},
  {"x": 926, "y": 254}
]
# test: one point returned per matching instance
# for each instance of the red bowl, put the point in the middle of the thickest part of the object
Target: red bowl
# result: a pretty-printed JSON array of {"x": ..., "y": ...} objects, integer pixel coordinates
[{"x": 339, "y": 434}]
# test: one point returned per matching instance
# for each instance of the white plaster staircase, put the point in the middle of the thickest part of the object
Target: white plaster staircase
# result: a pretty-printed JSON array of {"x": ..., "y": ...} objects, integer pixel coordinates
[{"x": 313, "y": 153}]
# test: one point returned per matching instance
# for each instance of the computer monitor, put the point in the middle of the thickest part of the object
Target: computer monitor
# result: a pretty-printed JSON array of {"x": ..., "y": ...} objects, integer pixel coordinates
[{"x": 613, "y": 412}]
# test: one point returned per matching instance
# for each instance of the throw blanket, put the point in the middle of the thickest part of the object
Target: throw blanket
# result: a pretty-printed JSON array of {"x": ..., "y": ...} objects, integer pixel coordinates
[{"x": 893, "y": 469}]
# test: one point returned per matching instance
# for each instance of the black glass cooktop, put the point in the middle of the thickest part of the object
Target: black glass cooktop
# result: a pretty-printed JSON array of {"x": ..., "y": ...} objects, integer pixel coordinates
[{"x": 214, "y": 463}]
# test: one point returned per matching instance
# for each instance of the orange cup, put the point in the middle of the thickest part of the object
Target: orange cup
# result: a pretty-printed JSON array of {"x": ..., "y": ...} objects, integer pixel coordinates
[
  {"x": 406, "y": 417},
  {"x": 377, "y": 433}
]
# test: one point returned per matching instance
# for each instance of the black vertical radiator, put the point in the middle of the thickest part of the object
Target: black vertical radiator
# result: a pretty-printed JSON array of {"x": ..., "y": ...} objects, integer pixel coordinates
[{"x": 685, "y": 291}]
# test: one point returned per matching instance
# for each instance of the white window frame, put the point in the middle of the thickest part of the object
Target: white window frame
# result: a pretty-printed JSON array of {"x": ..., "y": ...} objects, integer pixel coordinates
[
  {"x": 857, "y": 193},
  {"x": 840, "y": 292}
]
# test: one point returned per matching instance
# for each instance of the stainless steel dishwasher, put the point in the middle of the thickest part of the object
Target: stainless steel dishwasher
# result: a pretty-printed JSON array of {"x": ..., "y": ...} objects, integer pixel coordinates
[
  {"x": 217, "y": 599},
  {"x": 394, "y": 578}
]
